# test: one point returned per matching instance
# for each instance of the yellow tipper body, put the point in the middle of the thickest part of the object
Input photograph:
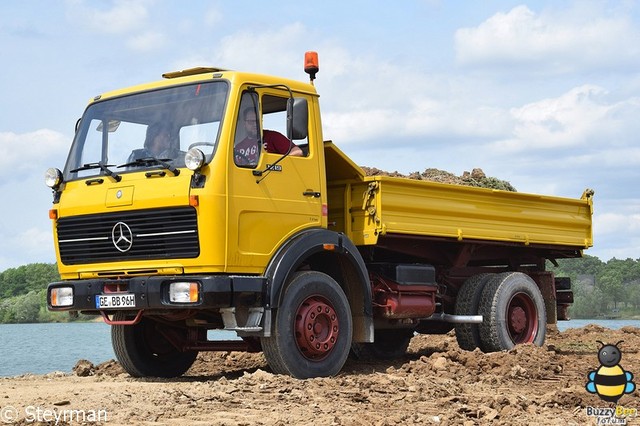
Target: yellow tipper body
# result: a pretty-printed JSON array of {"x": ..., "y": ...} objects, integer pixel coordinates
[{"x": 367, "y": 207}]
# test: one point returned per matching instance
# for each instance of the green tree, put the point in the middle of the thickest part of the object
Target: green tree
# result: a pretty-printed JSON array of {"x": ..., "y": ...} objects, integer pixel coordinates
[
  {"x": 27, "y": 307},
  {"x": 26, "y": 278},
  {"x": 23, "y": 292},
  {"x": 609, "y": 285},
  {"x": 615, "y": 279}
]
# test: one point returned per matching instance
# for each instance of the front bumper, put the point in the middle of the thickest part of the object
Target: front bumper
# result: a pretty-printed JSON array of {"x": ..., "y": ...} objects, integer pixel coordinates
[{"x": 152, "y": 292}]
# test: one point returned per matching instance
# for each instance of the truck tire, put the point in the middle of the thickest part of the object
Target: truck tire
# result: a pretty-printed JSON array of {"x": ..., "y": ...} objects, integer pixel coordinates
[
  {"x": 143, "y": 351},
  {"x": 311, "y": 334},
  {"x": 467, "y": 302},
  {"x": 513, "y": 312},
  {"x": 387, "y": 345}
]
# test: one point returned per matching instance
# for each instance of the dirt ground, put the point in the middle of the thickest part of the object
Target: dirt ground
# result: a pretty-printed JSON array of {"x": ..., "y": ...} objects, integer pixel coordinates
[{"x": 435, "y": 383}]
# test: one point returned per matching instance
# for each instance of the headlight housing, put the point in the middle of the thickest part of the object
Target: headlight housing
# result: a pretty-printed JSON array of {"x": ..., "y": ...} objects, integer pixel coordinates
[
  {"x": 61, "y": 297},
  {"x": 184, "y": 292},
  {"x": 53, "y": 177},
  {"x": 194, "y": 159}
]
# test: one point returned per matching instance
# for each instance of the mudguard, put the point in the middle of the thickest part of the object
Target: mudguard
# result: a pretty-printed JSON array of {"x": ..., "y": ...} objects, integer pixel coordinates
[{"x": 296, "y": 250}]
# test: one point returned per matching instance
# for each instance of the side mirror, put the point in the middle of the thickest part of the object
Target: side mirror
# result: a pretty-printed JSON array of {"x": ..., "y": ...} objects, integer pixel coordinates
[{"x": 297, "y": 118}]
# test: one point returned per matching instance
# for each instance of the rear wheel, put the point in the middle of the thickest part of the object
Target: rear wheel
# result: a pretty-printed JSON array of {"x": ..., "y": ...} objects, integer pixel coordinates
[
  {"x": 143, "y": 350},
  {"x": 311, "y": 334},
  {"x": 467, "y": 302},
  {"x": 513, "y": 312}
]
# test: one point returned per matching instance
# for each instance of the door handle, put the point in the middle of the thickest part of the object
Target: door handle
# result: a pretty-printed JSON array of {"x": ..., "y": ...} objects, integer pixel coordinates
[{"x": 311, "y": 193}]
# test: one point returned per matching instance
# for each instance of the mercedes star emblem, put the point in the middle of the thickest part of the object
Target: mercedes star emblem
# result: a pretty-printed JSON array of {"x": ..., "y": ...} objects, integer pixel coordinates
[{"x": 122, "y": 237}]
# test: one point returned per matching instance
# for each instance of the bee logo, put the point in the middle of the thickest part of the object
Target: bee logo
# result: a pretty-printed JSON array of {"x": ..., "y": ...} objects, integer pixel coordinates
[{"x": 610, "y": 381}]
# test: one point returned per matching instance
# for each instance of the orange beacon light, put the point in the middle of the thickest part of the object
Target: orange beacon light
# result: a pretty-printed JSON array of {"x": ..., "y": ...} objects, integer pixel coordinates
[{"x": 311, "y": 64}]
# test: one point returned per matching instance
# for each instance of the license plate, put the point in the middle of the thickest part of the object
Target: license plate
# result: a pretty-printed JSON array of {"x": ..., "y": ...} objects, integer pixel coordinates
[{"x": 115, "y": 301}]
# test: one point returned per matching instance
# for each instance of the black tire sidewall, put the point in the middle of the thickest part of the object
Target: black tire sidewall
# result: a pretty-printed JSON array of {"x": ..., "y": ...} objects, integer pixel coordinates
[
  {"x": 467, "y": 303},
  {"x": 497, "y": 294},
  {"x": 301, "y": 287},
  {"x": 137, "y": 359}
]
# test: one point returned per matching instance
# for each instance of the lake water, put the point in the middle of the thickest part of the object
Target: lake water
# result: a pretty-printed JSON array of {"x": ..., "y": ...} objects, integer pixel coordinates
[{"x": 43, "y": 348}]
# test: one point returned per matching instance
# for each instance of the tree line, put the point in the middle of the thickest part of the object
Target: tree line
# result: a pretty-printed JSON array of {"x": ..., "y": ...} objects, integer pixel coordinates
[
  {"x": 23, "y": 294},
  {"x": 601, "y": 289}
]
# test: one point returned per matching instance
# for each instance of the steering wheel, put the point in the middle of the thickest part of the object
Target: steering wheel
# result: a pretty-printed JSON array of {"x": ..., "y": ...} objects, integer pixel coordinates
[{"x": 195, "y": 144}]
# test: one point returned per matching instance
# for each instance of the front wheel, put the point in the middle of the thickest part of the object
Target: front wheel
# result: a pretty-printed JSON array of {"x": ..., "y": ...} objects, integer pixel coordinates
[
  {"x": 513, "y": 312},
  {"x": 143, "y": 350},
  {"x": 311, "y": 334}
]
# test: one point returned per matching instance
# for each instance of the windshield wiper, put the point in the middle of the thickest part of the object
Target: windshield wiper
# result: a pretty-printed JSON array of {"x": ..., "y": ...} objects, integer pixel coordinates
[
  {"x": 152, "y": 161},
  {"x": 103, "y": 167}
]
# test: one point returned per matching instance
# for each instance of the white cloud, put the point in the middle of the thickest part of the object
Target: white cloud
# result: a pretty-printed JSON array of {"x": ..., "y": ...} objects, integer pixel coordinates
[
  {"x": 127, "y": 19},
  {"x": 35, "y": 241},
  {"x": 148, "y": 41},
  {"x": 274, "y": 51},
  {"x": 360, "y": 126},
  {"x": 426, "y": 117},
  {"x": 584, "y": 116},
  {"x": 610, "y": 223},
  {"x": 32, "y": 245},
  {"x": 212, "y": 17},
  {"x": 119, "y": 16},
  {"x": 30, "y": 152},
  {"x": 616, "y": 226},
  {"x": 555, "y": 41}
]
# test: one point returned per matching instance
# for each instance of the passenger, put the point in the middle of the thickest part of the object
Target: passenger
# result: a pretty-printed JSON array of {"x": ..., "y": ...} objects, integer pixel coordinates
[{"x": 247, "y": 152}]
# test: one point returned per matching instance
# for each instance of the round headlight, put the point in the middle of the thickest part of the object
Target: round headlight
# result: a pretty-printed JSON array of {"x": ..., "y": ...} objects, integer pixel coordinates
[
  {"x": 53, "y": 177},
  {"x": 194, "y": 159}
]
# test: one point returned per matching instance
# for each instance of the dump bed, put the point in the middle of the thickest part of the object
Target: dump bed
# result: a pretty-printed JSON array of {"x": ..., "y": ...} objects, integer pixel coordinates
[{"x": 367, "y": 207}]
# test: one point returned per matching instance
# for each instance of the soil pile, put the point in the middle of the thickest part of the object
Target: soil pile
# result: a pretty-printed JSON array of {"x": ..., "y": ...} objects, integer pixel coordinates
[
  {"x": 434, "y": 383},
  {"x": 474, "y": 178}
]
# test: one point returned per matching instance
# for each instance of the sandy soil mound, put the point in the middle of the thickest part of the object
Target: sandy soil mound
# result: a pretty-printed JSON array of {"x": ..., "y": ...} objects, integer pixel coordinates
[
  {"x": 474, "y": 178},
  {"x": 434, "y": 383}
]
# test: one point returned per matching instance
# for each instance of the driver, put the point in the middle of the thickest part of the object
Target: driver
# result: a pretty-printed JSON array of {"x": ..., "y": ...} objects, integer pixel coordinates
[
  {"x": 157, "y": 144},
  {"x": 157, "y": 141}
]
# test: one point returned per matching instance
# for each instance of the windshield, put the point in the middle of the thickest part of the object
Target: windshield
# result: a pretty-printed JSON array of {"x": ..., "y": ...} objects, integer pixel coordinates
[{"x": 132, "y": 132}]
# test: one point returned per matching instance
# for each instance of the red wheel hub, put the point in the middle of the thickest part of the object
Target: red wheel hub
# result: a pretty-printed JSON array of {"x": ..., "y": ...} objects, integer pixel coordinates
[
  {"x": 522, "y": 319},
  {"x": 518, "y": 319},
  {"x": 316, "y": 328}
]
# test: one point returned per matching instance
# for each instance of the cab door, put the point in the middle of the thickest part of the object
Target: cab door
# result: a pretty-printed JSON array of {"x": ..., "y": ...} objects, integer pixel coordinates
[{"x": 271, "y": 198}]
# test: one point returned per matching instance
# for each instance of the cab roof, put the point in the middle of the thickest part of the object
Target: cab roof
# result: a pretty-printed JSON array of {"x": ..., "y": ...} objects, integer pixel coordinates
[{"x": 202, "y": 74}]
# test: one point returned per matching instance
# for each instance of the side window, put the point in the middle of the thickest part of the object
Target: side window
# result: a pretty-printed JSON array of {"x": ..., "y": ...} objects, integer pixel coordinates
[
  {"x": 246, "y": 146},
  {"x": 274, "y": 123}
]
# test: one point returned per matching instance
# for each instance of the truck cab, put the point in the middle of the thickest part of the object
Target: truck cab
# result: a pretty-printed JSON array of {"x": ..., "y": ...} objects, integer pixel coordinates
[{"x": 185, "y": 215}]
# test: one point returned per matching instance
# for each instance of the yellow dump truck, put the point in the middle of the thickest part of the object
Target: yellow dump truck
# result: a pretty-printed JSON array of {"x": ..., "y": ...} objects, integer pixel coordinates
[{"x": 209, "y": 200}]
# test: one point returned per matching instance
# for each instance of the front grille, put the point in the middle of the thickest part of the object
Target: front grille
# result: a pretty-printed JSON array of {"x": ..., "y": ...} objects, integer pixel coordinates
[{"x": 134, "y": 235}]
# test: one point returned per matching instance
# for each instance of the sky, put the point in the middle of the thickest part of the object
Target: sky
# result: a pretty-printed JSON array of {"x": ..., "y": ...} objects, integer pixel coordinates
[{"x": 543, "y": 94}]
